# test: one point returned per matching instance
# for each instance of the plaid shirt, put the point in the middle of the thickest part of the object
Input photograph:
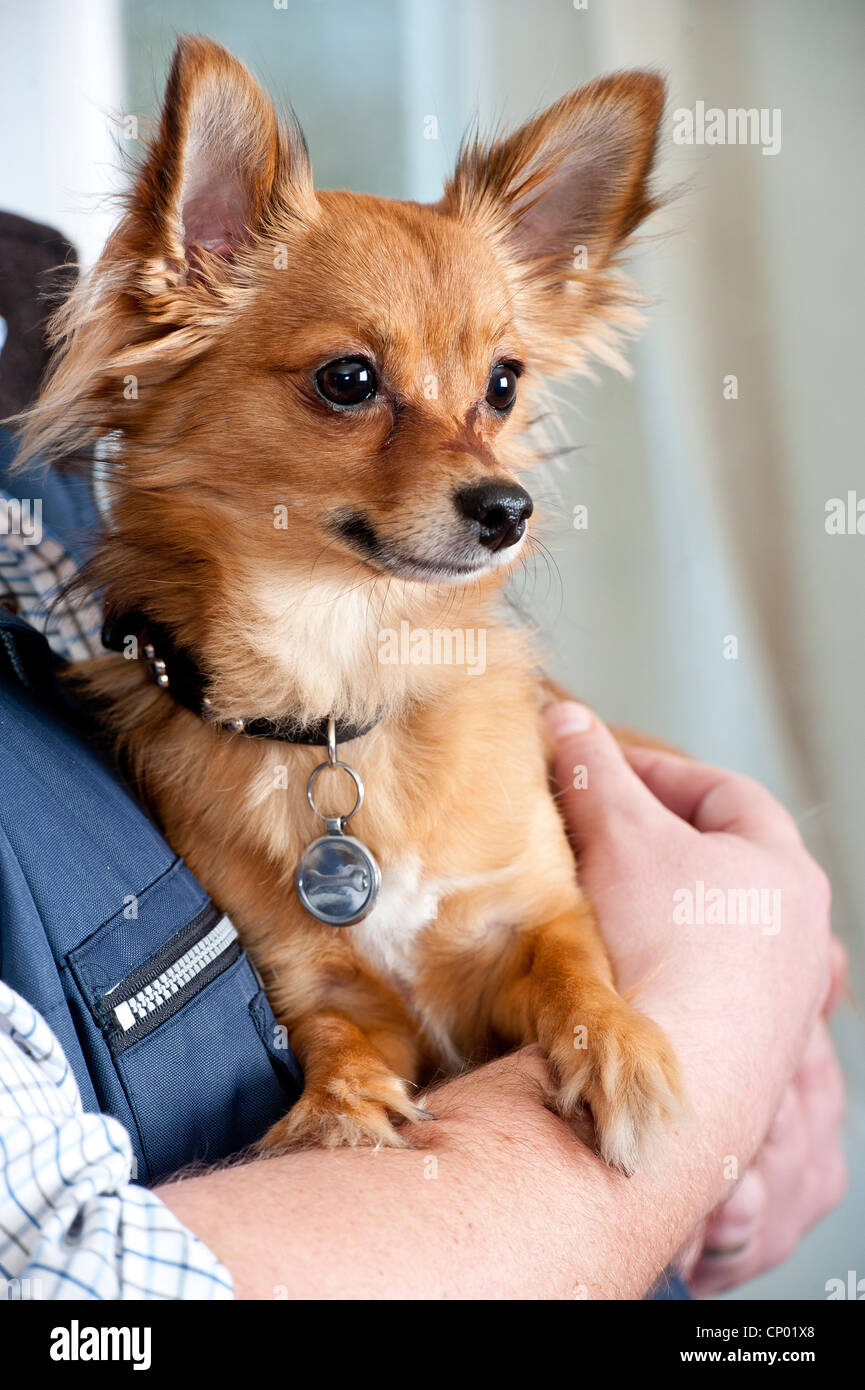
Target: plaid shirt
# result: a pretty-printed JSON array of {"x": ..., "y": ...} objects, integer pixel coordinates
[
  {"x": 31, "y": 580},
  {"x": 72, "y": 1222}
]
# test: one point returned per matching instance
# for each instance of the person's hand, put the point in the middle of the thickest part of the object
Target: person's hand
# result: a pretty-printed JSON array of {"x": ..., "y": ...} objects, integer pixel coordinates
[
  {"x": 798, "y": 1176},
  {"x": 669, "y": 851}
]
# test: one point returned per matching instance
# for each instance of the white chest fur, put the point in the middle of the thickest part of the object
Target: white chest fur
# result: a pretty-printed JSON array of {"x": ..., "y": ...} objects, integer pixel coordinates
[
  {"x": 388, "y": 936},
  {"x": 408, "y": 902}
]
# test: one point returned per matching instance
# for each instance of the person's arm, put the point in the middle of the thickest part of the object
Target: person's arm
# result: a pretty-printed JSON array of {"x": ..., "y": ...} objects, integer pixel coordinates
[
  {"x": 500, "y": 1197},
  {"x": 72, "y": 1224},
  {"x": 798, "y": 1176}
]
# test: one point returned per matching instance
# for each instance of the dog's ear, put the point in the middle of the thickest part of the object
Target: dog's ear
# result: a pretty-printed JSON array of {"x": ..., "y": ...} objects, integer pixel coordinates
[
  {"x": 220, "y": 175},
  {"x": 566, "y": 190},
  {"x": 218, "y": 164}
]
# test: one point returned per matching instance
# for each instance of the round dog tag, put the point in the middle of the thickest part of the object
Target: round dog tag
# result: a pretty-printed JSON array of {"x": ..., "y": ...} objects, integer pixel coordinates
[{"x": 337, "y": 879}]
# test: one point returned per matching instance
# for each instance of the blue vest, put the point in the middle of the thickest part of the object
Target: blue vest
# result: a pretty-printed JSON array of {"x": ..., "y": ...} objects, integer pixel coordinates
[{"x": 106, "y": 932}]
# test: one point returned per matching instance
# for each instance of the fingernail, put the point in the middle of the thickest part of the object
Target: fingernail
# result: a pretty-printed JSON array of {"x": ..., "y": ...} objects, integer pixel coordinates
[{"x": 568, "y": 718}]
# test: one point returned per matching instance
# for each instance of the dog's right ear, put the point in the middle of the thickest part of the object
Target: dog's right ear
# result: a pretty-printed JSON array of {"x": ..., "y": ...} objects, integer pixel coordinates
[
  {"x": 220, "y": 175},
  {"x": 219, "y": 168}
]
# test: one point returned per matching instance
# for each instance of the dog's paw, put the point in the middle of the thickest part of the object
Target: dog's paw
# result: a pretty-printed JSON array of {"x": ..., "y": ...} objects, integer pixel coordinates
[
  {"x": 345, "y": 1113},
  {"x": 628, "y": 1074}
]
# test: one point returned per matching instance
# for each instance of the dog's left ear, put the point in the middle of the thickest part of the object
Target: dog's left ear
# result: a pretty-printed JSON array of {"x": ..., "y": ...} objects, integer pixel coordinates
[{"x": 566, "y": 190}]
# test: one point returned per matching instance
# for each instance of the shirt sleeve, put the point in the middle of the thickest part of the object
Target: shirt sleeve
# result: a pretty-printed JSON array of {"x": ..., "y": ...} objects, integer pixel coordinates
[{"x": 72, "y": 1224}]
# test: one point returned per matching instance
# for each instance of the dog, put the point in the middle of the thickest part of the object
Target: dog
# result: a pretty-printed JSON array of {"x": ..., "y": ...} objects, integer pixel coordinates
[{"x": 318, "y": 406}]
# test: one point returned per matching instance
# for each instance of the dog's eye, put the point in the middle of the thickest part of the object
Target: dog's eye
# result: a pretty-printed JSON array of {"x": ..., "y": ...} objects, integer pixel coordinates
[
  {"x": 502, "y": 386},
  {"x": 347, "y": 381}
]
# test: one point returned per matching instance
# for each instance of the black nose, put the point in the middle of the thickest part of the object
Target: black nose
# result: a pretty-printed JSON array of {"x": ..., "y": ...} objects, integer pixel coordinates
[{"x": 500, "y": 509}]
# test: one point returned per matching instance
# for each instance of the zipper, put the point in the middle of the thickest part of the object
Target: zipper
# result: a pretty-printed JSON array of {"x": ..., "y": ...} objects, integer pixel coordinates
[{"x": 158, "y": 989}]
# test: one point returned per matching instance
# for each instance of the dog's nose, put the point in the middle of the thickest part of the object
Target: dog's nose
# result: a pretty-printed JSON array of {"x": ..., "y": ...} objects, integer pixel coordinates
[{"x": 500, "y": 509}]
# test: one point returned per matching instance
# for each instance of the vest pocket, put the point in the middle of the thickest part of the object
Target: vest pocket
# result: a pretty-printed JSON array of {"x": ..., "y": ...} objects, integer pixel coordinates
[
  {"x": 162, "y": 985},
  {"x": 204, "y": 1085},
  {"x": 180, "y": 1039}
]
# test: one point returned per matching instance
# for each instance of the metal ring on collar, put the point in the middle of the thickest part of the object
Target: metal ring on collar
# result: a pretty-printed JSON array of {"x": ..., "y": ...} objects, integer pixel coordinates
[{"x": 358, "y": 786}]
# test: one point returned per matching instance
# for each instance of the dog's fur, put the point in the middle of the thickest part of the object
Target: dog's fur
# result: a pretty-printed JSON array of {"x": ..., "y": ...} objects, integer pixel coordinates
[{"x": 195, "y": 342}]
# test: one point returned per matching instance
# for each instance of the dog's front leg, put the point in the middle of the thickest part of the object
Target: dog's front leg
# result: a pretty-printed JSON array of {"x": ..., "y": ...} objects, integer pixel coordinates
[
  {"x": 355, "y": 1080},
  {"x": 561, "y": 994}
]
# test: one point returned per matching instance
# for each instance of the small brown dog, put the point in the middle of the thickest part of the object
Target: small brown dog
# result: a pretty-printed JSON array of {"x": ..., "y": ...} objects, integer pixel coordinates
[{"x": 319, "y": 404}]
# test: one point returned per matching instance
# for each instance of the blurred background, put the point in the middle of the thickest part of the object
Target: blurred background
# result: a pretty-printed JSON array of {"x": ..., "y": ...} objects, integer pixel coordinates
[{"x": 706, "y": 513}]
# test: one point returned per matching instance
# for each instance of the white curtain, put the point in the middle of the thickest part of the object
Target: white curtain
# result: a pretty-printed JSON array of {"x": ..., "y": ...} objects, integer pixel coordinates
[
  {"x": 62, "y": 85},
  {"x": 706, "y": 514}
]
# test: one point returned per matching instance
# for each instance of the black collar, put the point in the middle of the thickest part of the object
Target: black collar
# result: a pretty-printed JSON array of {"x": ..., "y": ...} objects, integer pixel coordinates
[{"x": 174, "y": 670}]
